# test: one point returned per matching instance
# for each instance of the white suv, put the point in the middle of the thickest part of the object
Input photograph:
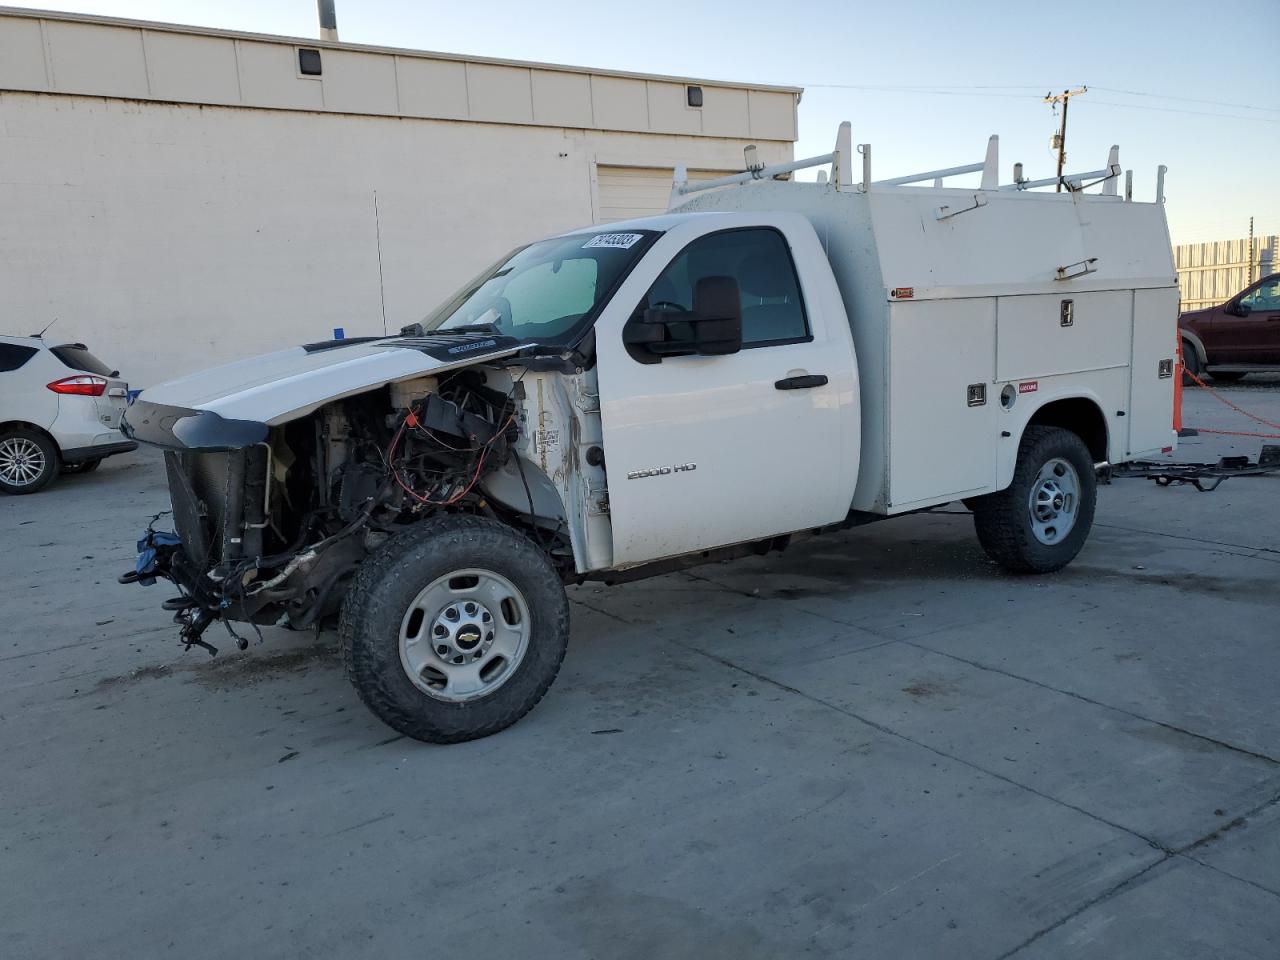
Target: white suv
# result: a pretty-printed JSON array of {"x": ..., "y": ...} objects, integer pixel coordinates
[{"x": 59, "y": 411}]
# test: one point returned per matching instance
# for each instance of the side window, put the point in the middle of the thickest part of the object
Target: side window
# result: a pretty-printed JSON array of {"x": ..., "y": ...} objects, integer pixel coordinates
[
  {"x": 772, "y": 309},
  {"x": 13, "y": 356},
  {"x": 1266, "y": 297}
]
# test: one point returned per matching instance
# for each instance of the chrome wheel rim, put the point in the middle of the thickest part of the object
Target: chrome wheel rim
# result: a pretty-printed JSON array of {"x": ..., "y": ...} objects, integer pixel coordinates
[
  {"x": 1054, "y": 501},
  {"x": 22, "y": 462},
  {"x": 464, "y": 635}
]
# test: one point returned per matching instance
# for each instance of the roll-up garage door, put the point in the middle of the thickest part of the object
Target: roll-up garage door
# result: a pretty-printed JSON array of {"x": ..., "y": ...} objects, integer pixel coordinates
[{"x": 627, "y": 192}]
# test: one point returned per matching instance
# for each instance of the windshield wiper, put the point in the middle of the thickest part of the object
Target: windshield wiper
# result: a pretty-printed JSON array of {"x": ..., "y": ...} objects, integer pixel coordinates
[{"x": 471, "y": 328}]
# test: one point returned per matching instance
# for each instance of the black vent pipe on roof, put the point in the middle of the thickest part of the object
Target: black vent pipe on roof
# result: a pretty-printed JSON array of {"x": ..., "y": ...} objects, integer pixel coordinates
[{"x": 328, "y": 20}]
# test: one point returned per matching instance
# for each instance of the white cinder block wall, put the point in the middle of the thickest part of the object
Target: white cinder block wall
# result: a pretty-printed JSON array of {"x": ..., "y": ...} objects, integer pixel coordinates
[{"x": 178, "y": 198}]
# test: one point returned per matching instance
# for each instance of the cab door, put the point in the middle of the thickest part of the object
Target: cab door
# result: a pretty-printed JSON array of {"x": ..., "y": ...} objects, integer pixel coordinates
[
  {"x": 1256, "y": 335},
  {"x": 707, "y": 451}
]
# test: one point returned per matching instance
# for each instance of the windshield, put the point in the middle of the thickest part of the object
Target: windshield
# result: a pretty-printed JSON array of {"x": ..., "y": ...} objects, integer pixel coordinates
[{"x": 545, "y": 292}]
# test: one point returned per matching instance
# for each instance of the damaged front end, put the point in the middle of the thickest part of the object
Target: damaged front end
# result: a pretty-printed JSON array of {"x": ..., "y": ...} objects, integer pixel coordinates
[{"x": 271, "y": 520}]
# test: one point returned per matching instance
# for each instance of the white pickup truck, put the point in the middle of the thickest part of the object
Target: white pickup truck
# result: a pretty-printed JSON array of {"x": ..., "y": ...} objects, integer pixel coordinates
[{"x": 770, "y": 359}]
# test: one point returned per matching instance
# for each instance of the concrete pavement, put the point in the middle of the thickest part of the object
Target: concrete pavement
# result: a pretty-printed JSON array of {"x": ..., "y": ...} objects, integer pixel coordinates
[{"x": 874, "y": 745}]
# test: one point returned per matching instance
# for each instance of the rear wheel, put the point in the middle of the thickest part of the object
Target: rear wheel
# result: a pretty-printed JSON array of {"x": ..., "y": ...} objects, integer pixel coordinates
[
  {"x": 455, "y": 629},
  {"x": 1040, "y": 522},
  {"x": 28, "y": 461}
]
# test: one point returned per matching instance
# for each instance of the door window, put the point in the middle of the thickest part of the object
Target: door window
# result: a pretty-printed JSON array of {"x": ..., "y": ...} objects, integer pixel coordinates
[
  {"x": 758, "y": 259},
  {"x": 1265, "y": 297}
]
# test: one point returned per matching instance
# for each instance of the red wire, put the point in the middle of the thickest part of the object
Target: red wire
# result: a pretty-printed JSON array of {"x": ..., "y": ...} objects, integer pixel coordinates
[
  {"x": 1233, "y": 406},
  {"x": 484, "y": 453}
]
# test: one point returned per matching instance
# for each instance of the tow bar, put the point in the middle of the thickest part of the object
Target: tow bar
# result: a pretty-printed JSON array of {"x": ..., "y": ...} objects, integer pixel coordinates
[{"x": 1203, "y": 476}]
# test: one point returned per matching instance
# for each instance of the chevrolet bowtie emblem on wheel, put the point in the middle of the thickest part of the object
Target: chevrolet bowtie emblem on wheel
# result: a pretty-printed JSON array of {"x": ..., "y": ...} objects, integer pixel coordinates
[{"x": 662, "y": 471}]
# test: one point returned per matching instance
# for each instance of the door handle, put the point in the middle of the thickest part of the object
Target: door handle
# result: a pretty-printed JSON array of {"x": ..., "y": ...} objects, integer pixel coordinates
[{"x": 802, "y": 383}]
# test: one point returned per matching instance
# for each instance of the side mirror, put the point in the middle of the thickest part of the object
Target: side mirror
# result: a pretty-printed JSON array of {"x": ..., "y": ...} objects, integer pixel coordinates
[
  {"x": 712, "y": 328},
  {"x": 1241, "y": 309}
]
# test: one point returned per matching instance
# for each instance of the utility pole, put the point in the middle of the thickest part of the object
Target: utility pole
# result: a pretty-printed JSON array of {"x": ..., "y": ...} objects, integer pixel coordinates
[
  {"x": 1251, "y": 249},
  {"x": 1060, "y": 138}
]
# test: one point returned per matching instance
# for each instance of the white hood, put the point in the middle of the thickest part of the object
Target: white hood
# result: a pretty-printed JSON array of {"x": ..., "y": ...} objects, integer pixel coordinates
[{"x": 277, "y": 387}]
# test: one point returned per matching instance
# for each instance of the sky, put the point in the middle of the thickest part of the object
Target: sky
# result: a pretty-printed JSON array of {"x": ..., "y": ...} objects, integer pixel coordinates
[{"x": 1188, "y": 85}]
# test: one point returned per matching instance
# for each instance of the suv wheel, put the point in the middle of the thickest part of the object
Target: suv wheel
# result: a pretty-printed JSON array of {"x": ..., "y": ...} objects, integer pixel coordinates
[
  {"x": 455, "y": 629},
  {"x": 1040, "y": 522},
  {"x": 28, "y": 461}
]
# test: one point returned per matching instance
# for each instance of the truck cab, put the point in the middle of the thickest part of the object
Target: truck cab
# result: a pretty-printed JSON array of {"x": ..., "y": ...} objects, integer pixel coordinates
[{"x": 710, "y": 449}]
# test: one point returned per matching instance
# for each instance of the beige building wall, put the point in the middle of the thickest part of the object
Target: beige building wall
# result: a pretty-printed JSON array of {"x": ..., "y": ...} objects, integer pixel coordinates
[{"x": 179, "y": 198}]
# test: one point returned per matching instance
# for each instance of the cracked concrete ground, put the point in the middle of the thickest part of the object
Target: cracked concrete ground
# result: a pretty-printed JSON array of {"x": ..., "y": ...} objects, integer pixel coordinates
[{"x": 875, "y": 745}]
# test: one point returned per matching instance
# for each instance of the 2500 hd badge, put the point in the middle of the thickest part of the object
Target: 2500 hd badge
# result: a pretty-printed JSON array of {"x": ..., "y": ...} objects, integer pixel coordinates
[{"x": 662, "y": 471}]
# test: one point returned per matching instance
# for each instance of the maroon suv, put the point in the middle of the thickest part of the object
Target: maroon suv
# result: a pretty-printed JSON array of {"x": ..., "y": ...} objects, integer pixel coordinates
[{"x": 1236, "y": 337}]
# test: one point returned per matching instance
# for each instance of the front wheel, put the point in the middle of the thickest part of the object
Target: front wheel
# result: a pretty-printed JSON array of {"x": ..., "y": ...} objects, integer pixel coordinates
[
  {"x": 1040, "y": 522},
  {"x": 455, "y": 629}
]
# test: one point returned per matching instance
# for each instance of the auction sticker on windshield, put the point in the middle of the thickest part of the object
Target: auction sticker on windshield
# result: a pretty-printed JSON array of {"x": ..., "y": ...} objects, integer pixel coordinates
[{"x": 618, "y": 241}]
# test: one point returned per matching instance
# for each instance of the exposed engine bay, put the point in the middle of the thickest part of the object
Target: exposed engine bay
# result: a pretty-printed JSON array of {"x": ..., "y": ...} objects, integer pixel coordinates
[{"x": 271, "y": 533}]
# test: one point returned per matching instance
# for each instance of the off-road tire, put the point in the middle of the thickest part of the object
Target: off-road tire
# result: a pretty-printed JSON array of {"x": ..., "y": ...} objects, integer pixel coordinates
[
  {"x": 52, "y": 461},
  {"x": 1190, "y": 363},
  {"x": 1003, "y": 519},
  {"x": 389, "y": 580}
]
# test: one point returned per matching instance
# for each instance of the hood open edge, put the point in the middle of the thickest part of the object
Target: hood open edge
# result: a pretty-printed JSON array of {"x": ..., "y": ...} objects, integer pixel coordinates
[
  {"x": 278, "y": 387},
  {"x": 264, "y": 392}
]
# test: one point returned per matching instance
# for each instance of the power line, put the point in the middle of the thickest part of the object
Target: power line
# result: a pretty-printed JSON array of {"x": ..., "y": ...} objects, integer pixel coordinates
[
  {"x": 1216, "y": 103},
  {"x": 983, "y": 92},
  {"x": 956, "y": 89},
  {"x": 928, "y": 91},
  {"x": 929, "y": 86},
  {"x": 1196, "y": 113}
]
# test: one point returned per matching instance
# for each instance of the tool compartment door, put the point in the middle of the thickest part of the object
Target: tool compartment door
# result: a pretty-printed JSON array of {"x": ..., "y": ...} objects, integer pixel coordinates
[
  {"x": 1155, "y": 337},
  {"x": 1041, "y": 335},
  {"x": 940, "y": 447}
]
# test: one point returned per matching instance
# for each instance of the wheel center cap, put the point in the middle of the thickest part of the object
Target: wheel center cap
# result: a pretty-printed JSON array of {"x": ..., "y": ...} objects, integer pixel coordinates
[{"x": 463, "y": 632}]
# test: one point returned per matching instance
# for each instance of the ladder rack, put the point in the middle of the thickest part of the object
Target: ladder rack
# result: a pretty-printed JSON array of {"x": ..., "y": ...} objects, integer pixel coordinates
[{"x": 841, "y": 162}]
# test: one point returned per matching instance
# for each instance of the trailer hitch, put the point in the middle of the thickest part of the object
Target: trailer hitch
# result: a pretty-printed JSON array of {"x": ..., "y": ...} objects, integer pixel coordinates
[{"x": 1205, "y": 477}]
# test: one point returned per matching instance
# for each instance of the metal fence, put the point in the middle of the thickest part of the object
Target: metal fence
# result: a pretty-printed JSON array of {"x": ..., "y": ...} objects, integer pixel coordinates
[{"x": 1210, "y": 273}]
